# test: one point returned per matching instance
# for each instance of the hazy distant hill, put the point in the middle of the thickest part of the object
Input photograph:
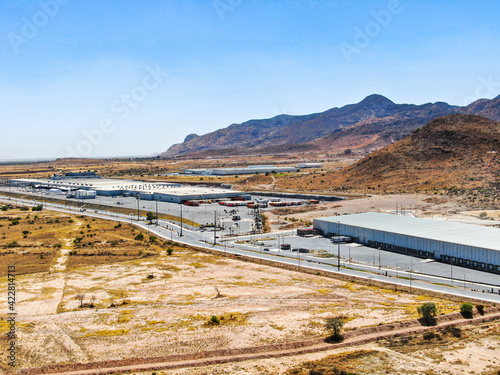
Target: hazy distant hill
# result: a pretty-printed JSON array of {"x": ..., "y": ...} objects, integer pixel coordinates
[{"x": 374, "y": 122}]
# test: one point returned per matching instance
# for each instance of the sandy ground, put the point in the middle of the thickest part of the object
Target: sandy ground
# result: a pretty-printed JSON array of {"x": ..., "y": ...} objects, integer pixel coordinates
[
  {"x": 170, "y": 312},
  {"x": 420, "y": 205},
  {"x": 164, "y": 305},
  {"x": 477, "y": 352}
]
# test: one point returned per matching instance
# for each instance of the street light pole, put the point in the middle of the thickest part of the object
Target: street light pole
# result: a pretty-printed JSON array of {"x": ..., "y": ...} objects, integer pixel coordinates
[
  {"x": 349, "y": 252},
  {"x": 411, "y": 266},
  {"x": 181, "y": 220}
]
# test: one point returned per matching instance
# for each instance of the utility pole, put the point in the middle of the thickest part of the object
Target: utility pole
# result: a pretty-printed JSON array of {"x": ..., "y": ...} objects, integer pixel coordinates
[
  {"x": 138, "y": 197},
  {"x": 410, "y": 281},
  {"x": 181, "y": 220},
  {"x": 157, "y": 212},
  {"x": 411, "y": 266},
  {"x": 338, "y": 246},
  {"x": 215, "y": 227}
]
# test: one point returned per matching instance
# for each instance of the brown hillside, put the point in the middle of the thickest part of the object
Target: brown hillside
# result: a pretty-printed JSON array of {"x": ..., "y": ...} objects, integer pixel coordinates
[
  {"x": 456, "y": 150},
  {"x": 453, "y": 151}
]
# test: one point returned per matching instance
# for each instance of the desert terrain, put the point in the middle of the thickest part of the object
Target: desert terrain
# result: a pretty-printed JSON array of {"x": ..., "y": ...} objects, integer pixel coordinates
[
  {"x": 108, "y": 294},
  {"x": 91, "y": 290}
]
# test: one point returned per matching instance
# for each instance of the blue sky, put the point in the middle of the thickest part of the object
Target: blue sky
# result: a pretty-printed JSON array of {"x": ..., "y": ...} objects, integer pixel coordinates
[{"x": 130, "y": 77}]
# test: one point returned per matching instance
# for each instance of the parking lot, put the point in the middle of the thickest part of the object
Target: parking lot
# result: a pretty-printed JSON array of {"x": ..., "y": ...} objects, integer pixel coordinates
[{"x": 362, "y": 255}]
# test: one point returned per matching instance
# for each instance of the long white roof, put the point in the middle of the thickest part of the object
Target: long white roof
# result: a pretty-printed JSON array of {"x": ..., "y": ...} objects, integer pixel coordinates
[
  {"x": 109, "y": 184},
  {"x": 439, "y": 230}
]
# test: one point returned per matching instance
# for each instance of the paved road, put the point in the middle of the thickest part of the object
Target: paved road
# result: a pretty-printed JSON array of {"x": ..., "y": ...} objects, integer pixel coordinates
[{"x": 396, "y": 277}]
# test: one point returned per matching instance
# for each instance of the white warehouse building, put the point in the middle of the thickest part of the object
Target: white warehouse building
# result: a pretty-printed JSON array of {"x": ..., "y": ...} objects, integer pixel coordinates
[
  {"x": 310, "y": 165},
  {"x": 160, "y": 191},
  {"x": 465, "y": 245},
  {"x": 253, "y": 169}
]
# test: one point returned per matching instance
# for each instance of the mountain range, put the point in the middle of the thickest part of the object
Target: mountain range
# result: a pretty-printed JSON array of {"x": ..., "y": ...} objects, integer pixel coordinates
[{"x": 373, "y": 123}]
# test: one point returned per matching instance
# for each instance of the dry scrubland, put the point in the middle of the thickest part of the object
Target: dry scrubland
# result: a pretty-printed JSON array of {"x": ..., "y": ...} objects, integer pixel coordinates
[
  {"x": 148, "y": 303},
  {"x": 464, "y": 351}
]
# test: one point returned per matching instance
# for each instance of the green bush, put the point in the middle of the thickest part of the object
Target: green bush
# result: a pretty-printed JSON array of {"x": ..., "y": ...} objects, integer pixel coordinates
[
  {"x": 466, "y": 310},
  {"x": 139, "y": 237},
  {"x": 456, "y": 332},
  {"x": 480, "y": 309},
  {"x": 215, "y": 320},
  {"x": 430, "y": 335},
  {"x": 170, "y": 251},
  {"x": 428, "y": 312}
]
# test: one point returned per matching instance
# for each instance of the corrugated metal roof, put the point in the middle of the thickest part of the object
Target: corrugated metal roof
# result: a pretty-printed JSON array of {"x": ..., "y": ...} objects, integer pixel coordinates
[{"x": 439, "y": 230}]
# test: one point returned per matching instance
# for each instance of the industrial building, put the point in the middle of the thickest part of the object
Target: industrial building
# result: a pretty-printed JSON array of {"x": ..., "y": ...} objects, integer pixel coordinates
[
  {"x": 243, "y": 170},
  {"x": 252, "y": 169},
  {"x": 310, "y": 165},
  {"x": 465, "y": 245},
  {"x": 161, "y": 191}
]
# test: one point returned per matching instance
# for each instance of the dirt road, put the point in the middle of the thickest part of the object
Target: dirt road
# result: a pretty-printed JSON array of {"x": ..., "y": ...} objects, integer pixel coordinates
[{"x": 352, "y": 338}]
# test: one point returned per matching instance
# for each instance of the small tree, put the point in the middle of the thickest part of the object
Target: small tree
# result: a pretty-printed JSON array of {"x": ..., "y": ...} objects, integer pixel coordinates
[
  {"x": 466, "y": 310},
  {"x": 335, "y": 325},
  {"x": 80, "y": 297},
  {"x": 170, "y": 251},
  {"x": 150, "y": 217},
  {"x": 218, "y": 293},
  {"x": 428, "y": 311},
  {"x": 139, "y": 237}
]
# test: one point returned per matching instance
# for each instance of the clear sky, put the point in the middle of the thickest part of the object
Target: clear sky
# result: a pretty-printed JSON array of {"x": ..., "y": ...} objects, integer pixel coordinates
[{"x": 129, "y": 77}]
